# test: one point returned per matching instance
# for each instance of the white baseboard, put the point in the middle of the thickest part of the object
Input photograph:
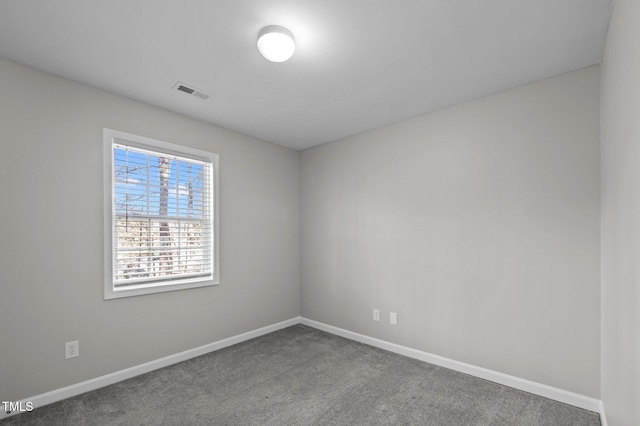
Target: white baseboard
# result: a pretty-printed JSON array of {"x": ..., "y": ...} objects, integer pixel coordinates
[
  {"x": 118, "y": 376},
  {"x": 603, "y": 416},
  {"x": 546, "y": 391}
]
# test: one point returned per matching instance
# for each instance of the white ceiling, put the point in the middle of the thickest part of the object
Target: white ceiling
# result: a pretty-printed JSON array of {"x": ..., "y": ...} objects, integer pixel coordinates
[{"x": 358, "y": 65}]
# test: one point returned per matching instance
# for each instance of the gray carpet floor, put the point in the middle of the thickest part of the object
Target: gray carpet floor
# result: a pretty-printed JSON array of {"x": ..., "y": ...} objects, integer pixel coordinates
[{"x": 303, "y": 376}]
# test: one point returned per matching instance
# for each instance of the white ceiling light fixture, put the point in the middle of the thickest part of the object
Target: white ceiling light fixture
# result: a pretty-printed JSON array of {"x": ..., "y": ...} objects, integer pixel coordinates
[{"x": 276, "y": 43}]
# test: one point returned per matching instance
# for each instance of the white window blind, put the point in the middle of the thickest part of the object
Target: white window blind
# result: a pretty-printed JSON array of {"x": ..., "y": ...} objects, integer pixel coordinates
[{"x": 162, "y": 217}]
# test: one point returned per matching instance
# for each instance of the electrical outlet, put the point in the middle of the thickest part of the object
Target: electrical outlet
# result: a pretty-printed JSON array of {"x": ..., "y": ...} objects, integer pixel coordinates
[
  {"x": 71, "y": 349},
  {"x": 376, "y": 314},
  {"x": 393, "y": 318}
]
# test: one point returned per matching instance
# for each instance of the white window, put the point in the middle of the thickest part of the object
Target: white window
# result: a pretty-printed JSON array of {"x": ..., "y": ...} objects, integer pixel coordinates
[{"x": 161, "y": 216}]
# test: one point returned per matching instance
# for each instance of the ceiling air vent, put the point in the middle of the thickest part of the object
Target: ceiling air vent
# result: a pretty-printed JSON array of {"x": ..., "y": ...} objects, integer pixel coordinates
[{"x": 190, "y": 90}]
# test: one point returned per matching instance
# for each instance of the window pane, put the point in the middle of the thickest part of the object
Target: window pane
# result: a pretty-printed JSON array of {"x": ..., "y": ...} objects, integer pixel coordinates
[{"x": 150, "y": 249}]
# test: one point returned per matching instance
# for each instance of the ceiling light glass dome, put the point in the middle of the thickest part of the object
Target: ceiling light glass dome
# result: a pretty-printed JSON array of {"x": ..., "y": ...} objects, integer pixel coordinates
[{"x": 276, "y": 43}]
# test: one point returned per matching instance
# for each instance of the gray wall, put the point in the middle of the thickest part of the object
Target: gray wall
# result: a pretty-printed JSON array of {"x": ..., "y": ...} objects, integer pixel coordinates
[
  {"x": 479, "y": 225},
  {"x": 51, "y": 251},
  {"x": 621, "y": 217}
]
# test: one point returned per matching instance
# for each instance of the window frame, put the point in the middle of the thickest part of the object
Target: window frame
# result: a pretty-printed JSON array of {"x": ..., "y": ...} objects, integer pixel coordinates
[{"x": 111, "y": 137}]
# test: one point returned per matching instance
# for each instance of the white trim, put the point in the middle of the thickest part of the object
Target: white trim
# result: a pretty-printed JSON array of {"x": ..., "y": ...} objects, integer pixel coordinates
[
  {"x": 546, "y": 391},
  {"x": 603, "y": 415},
  {"x": 118, "y": 376}
]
